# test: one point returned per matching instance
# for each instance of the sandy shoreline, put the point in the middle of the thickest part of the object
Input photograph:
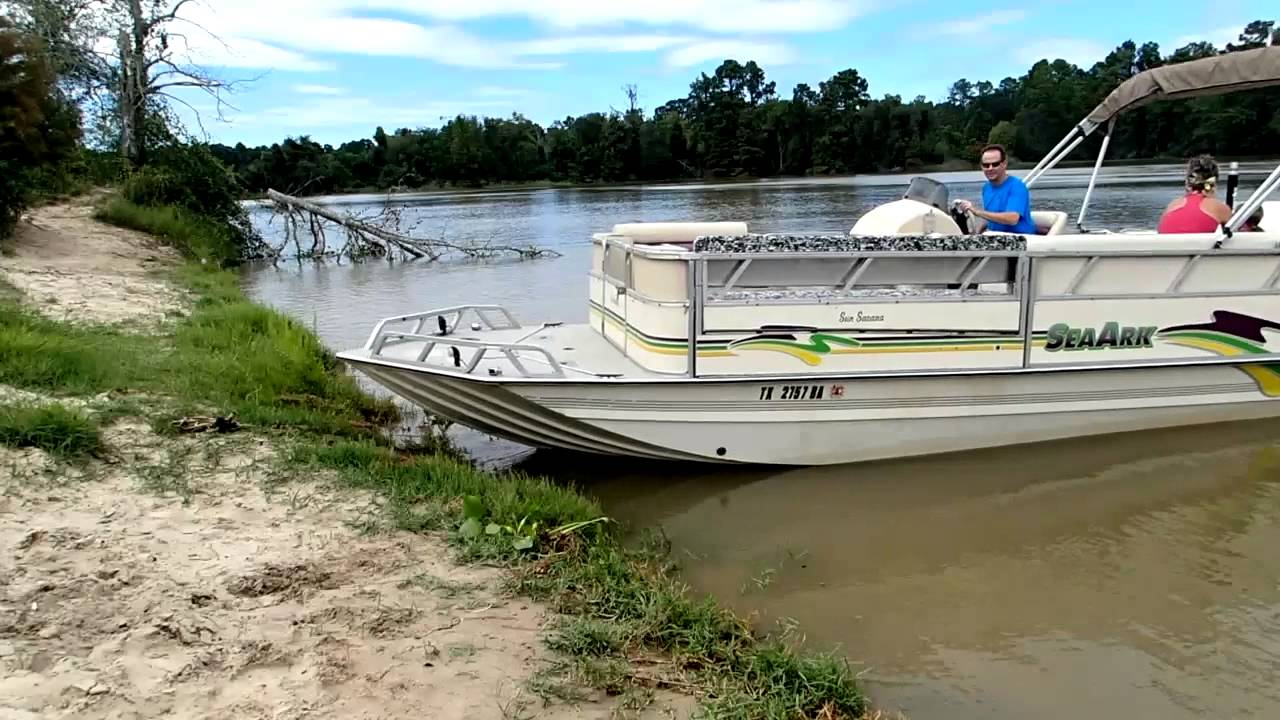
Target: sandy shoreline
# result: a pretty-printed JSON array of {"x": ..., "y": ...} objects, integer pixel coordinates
[{"x": 187, "y": 576}]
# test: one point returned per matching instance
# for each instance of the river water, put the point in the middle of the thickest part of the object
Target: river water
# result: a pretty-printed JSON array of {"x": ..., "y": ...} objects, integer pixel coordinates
[{"x": 1135, "y": 576}]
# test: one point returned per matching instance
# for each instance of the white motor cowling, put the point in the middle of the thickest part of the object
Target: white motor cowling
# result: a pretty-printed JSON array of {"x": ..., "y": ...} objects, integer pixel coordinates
[{"x": 905, "y": 217}]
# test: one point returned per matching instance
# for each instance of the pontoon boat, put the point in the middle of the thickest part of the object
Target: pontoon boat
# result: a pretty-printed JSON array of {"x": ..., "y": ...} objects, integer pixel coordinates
[{"x": 905, "y": 336}]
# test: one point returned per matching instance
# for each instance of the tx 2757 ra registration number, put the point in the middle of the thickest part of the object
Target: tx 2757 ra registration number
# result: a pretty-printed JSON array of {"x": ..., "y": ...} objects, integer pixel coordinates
[{"x": 800, "y": 392}]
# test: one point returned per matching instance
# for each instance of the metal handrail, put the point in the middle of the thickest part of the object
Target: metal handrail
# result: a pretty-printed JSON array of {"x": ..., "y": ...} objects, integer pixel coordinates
[
  {"x": 446, "y": 327},
  {"x": 509, "y": 350},
  {"x": 1255, "y": 200}
]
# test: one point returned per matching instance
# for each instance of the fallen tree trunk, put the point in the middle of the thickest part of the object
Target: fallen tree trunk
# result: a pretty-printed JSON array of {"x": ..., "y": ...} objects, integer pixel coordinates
[{"x": 365, "y": 237}]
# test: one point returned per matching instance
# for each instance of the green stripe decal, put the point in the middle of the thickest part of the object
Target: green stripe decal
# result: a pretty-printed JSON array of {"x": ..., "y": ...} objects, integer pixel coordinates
[{"x": 1217, "y": 337}]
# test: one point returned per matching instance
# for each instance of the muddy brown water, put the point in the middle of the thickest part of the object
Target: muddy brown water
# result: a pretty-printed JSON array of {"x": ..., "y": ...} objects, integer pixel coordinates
[{"x": 1129, "y": 576}]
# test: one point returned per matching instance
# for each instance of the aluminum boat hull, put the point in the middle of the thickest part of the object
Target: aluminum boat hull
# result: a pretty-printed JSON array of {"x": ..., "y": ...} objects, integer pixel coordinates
[{"x": 810, "y": 421}]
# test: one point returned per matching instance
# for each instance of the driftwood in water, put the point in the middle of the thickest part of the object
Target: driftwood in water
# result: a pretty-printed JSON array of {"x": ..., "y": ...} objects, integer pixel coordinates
[{"x": 372, "y": 236}]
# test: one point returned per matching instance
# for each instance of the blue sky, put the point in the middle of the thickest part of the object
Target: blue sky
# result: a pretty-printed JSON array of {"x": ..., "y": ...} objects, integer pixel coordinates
[{"x": 336, "y": 69}]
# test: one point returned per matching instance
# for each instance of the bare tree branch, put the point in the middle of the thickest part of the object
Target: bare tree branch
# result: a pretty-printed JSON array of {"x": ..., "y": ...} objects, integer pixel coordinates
[
  {"x": 189, "y": 107},
  {"x": 366, "y": 237},
  {"x": 211, "y": 87},
  {"x": 162, "y": 19},
  {"x": 205, "y": 29}
]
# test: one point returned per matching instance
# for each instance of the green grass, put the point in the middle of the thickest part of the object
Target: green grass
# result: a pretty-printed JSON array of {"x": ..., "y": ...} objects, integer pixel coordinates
[
  {"x": 425, "y": 491},
  {"x": 268, "y": 368},
  {"x": 227, "y": 356},
  {"x": 41, "y": 354},
  {"x": 618, "y": 600},
  {"x": 193, "y": 236},
  {"x": 52, "y": 428}
]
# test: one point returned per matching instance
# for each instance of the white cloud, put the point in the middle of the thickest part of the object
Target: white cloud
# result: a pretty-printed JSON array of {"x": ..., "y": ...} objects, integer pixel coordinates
[
  {"x": 764, "y": 53},
  {"x": 282, "y": 35},
  {"x": 319, "y": 90},
  {"x": 976, "y": 25},
  {"x": 711, "y": 15},
  {"x": 1083, "y": 53},
  {"x": 598, "y": 43},
  {"x": 378, "y": 37},
  {"x": 337, "y": 112},
  {"x": 228, "y": 51},
  {"x": 248, "y": 53}
]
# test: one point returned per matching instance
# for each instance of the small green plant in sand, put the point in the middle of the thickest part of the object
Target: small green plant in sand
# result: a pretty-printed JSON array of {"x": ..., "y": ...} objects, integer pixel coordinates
[
  {"x": 51, "y": 427},
  {"x": 524, "y": 535}
]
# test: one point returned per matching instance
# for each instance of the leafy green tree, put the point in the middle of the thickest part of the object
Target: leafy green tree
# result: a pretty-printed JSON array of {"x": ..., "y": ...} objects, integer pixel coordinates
[
  {"x": 734, "y": 122},
  {"x": 1004, "y": 133},
  {"x": 38, "y": 129}
]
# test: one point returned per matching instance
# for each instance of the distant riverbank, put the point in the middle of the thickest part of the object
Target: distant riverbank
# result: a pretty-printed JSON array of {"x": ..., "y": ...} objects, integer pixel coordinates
[{"x": 952, "y": 166}]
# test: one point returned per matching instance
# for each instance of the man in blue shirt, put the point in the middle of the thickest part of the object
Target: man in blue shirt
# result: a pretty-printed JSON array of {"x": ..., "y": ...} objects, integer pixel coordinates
[{"x": 1006, "y": 202}]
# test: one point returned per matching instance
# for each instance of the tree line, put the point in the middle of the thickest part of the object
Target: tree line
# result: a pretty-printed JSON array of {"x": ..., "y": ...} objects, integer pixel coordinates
[{"x": 734, "y": 123}]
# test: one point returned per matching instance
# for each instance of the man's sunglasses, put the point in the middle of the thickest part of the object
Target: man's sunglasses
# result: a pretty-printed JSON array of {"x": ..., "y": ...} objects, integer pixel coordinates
[{"x": 988, "y": 166}]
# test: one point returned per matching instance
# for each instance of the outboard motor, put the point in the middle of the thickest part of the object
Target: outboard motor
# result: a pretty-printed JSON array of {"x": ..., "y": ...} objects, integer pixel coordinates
[
  {"x": 927, "y": 191},
  {"x": 923, "y": 210}
]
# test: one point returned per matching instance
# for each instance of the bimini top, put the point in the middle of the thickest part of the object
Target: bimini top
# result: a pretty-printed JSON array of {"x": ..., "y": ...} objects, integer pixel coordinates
[{"x": 1217, "y": 75}]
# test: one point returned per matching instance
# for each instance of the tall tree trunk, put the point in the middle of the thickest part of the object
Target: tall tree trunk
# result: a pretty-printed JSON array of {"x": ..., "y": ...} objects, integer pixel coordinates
[
  {"x": 128, "y": 134},
  {"x": 133, "y": 99}
]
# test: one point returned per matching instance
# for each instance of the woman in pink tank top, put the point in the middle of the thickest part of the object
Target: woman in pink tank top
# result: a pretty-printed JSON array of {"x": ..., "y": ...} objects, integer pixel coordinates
[{"x": 1198, "y": 211}]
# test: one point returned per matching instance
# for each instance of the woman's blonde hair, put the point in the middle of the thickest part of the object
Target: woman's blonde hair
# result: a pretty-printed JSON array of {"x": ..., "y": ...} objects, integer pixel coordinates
[{"x": 1202, "y": 173}]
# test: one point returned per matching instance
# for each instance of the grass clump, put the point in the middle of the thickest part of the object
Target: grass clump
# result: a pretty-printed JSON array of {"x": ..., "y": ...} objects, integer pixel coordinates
[
  {"x": 195, "y": 237},
  {"x": 635, "y": 592},
  {"x": 268, "y": 368},
  {"x": 52, "y": 428},
  {"x": 41, "y": 354},
  {"x": 618, "y": 601},
  {"x": 425, "y": 492},
  {"x": 588, "y": 636},
  {"x": 227, "y": 356}
]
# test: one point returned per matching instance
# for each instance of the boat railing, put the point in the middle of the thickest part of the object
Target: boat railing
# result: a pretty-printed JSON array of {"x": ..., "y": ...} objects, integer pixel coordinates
[
  {"x": 861, "y": 276},
  {"x": 767, "y": 269},
  {"x": 984, "y": 276},
  {"x": 842, "y": 268},
  {"x": 448, "y": 319},
  {"x": 511, "y": 351}
]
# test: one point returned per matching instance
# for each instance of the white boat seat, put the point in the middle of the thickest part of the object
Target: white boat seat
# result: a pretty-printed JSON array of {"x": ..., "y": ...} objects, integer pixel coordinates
[
  {"x": 682, "y": 233},
  {"x": 1049, "y": 222},
  {"x": 1270, "y": 216}
]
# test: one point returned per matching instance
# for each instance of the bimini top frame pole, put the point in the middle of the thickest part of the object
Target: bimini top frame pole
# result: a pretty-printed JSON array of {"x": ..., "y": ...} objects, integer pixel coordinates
[
  {"x": 1093, "y": 179},
  {"x": 1060, "y": 152},
  {"x": 1218, "y": 75},
  {"x": 1255, "y": 200}
]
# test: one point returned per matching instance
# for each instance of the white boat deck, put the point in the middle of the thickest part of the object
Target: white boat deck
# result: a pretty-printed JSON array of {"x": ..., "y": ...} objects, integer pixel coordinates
[{"x": 579, "y": 350}]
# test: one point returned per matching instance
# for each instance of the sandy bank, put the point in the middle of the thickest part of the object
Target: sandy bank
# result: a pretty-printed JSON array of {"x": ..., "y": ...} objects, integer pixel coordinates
[{"x": 188, "y": 576}]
